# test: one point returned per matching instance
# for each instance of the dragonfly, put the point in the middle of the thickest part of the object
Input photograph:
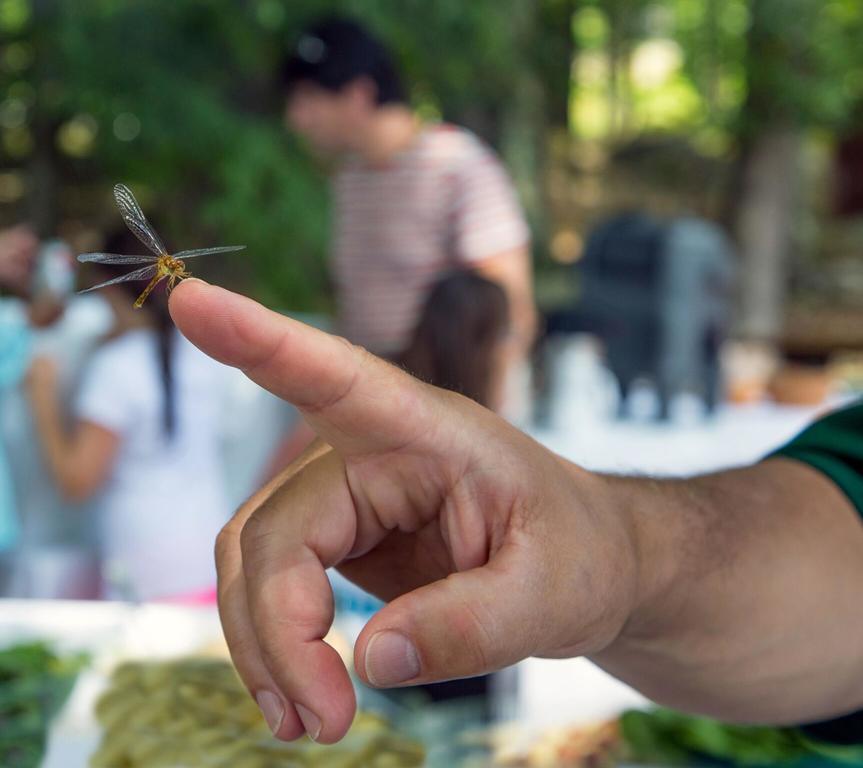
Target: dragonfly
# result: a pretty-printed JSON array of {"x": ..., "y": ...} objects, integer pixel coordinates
[{"x": 161, "y": 265}]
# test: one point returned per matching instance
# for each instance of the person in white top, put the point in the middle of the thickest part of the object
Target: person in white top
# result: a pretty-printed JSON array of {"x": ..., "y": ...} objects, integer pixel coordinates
[{"x": 143, "y": 436}]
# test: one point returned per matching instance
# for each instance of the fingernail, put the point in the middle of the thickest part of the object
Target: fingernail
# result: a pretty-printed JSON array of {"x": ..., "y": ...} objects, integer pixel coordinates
[
  {"x": 391, "y": 659},
  {"x": 311, "y": 722},
  {"x": 272, "y": 708}
]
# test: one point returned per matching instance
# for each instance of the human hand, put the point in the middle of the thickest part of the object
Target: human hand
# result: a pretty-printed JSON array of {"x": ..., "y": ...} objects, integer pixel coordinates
[
  {"x": 488, "y": 547},
  {"x": 18, "y": 247}
]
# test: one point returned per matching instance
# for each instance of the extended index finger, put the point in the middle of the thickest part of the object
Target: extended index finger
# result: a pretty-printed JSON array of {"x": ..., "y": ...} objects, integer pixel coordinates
[{"x": 355, "y": 401}]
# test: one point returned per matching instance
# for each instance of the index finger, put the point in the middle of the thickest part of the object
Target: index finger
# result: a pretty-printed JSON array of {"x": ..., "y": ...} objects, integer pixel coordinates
[{"x": 352, "y": 399}]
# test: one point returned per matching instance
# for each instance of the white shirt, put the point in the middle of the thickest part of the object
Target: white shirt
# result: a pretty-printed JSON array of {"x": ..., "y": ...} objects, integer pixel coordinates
[
  {"x": 47, "y": 521},
  {"x": 165, "y": 501}
]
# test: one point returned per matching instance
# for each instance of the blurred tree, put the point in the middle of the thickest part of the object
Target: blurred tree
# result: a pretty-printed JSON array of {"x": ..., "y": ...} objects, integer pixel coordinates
[
  {"x": 180, "y": 100},
  {"x": 802, "y": 70},
  {"x": 744, "y": 79}
]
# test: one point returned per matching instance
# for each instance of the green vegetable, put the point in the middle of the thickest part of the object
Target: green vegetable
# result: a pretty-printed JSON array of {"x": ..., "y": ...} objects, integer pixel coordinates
[
  {"x": 834, "y": 753},
  {"x": 665, "y": 737},
  {"x": 34, "y": 683}
]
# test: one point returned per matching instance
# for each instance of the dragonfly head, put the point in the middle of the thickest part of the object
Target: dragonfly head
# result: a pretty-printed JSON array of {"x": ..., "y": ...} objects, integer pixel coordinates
[{"x": 173, "y": 265}]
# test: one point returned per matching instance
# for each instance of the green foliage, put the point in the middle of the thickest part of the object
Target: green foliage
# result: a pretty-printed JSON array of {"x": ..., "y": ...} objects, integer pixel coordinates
[
  {"x": 184, "y": 107},
  {"x": 744, "y": 64},
  {"x": 804, "y": 62},
  {"x": 663, "y": 736},
  {"x": 181, "y": 101},
  {"x": 666, "y": 737},
  {"x": 34, "y": 683}
]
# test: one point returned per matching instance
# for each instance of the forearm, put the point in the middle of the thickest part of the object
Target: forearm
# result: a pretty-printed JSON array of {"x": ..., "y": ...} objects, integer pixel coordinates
[
  {"x": 54, "y": 442},
  {"x": 750, "y": 587},
  {"x": 512, "y": 271},
  {"x": 79, "y": 460},
  {"x": 524, "y": 322}
]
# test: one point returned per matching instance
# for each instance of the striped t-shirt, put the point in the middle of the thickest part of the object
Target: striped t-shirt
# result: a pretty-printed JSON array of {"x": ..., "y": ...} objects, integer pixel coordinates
[{"x": 444, "y": 202}]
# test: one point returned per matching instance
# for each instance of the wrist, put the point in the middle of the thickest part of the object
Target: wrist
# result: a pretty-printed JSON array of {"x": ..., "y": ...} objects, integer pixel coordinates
[
  {"x": 656, "y": 526},
  {"x": 600, "y": 524}
]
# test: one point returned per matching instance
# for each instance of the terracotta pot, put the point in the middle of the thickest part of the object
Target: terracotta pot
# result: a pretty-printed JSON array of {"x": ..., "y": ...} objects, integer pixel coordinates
[
  {"x": 800, "y": 385},
  {"x": 745, "y": 391}
]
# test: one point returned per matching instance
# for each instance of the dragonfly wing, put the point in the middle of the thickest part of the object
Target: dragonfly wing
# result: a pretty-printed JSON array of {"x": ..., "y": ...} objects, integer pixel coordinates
[
  {"x": 145, "y": 273},
  {"x": 115, "y": 258},
  {"x": 207, "y": 251},
  {"x": 135, "y": 219}
]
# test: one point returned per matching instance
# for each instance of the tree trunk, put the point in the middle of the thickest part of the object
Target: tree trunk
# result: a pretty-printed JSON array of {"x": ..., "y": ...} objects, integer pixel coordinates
[
  {"x": 525, "y": 118},
  {"x": 763, "y": 226},
  {"x": 764, "y": 196},
  {"x": 43, "y": 205}
]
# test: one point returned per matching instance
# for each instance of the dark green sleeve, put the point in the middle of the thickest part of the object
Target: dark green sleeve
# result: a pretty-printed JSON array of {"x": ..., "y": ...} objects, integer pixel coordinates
[
  {"x": 834, "y": 446},
  {"x": 843, "y": 731}
]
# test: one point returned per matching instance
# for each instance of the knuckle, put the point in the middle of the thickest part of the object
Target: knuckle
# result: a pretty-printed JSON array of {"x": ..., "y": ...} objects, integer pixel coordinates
[
  {"x": 225, "y": 542},
  {"x": 474, "y": 651},
  {"x": 477, "y": 639},
  {"x": 244, "y": 650},
  {"x": 276, "y": 655},
  {"x": 360, "y": 357},
  {"x": 349, "y": 345},
  {"x": 261, "y": 358},
  {"x": 255, "y": 535}
]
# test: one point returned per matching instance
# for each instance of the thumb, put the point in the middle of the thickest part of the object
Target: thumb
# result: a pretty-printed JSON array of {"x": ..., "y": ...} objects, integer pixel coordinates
[
  {"x": 456, "y": 627},
  {"x": 352, "y": 399}
]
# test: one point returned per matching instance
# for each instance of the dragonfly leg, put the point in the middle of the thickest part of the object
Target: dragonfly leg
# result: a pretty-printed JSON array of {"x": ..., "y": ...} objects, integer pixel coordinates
[
  {"x": 176, "y": 277},
  {"x": 139, "y": 302}
]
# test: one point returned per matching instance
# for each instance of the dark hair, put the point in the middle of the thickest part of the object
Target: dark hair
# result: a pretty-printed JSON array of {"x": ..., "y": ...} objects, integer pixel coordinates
[
  {"x": 336, "y": 51},
  {"x": 156, "y": 306},
  {"x": 463, "y": 320}
]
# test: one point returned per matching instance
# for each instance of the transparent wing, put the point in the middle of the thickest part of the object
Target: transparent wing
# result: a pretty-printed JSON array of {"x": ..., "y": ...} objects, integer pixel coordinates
[
  {"x": 145, "y": 273},
  {"x": 115, "y": 258},
  {"x": 135, "y": 219},
  {"x": 207, "y": 251}
]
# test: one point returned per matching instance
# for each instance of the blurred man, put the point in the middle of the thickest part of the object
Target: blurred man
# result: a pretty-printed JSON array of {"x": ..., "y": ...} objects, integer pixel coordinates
[{"x": 412, "y": 201}]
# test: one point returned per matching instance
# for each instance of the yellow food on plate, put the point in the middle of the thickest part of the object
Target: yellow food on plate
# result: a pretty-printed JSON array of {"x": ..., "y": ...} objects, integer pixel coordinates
[
  {"x": 195, "y": 712},
  {"x": 589, "y": 745}
]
